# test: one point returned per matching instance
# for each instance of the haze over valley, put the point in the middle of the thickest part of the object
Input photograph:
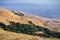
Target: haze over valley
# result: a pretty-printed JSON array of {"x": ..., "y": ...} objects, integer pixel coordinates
[{"x": 49, "y": 11}]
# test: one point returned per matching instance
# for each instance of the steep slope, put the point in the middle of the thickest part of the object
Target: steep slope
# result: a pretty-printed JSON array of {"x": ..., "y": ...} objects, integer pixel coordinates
[
  {"x": 7, "y": 15},
  {"x": 21, "y": 17},
  {"x": 5, "y": 35},
  {"x": 52, "y": 24}
]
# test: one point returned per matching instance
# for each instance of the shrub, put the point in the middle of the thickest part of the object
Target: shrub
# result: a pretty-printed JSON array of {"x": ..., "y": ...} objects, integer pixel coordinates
[{"x": 29, "y": 29}]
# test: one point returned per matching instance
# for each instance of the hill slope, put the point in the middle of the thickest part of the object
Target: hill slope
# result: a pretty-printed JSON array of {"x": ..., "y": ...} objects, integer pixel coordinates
[
  {"x": 5, "y": 35},
  {"x": 52, "y": 24},
  {"x": 6, "y": 16}
]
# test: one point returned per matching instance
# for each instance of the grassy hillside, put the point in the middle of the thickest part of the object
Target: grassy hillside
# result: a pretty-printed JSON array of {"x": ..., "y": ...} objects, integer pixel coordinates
[
  {"x": 18, "y": 26},
  {"x": 25, "y": 30},
  {"x": 7, "y": 15},
  {"x": 52, "y": 24},
  {"x": 30, "y": 29},
  {"x": 5, "y": 35}
]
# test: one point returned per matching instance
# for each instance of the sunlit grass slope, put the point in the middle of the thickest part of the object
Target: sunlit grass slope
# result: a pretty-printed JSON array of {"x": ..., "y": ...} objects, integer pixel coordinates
[{"x": 8, "y": 15}]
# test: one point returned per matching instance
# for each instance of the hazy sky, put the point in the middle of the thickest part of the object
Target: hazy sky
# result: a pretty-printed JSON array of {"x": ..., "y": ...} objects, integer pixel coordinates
[{"x": 47, "y": 2}]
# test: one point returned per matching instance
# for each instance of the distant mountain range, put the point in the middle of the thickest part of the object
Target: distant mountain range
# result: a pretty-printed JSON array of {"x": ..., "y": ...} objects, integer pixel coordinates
[{"x": 49, "y": 11}]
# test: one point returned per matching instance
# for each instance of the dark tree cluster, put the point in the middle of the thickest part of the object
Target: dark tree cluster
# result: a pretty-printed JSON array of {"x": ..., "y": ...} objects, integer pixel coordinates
[
  {"x": 29, "y": 29},
  {"x": 18, "y": 13}
]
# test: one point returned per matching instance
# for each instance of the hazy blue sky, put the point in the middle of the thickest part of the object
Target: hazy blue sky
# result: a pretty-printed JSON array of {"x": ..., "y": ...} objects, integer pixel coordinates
[{"x": 51, "y": 2}]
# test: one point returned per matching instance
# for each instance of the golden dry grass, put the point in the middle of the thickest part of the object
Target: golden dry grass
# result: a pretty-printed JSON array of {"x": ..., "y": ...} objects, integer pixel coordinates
[
  {"x": 52, "y": 39},
  {"x": 52, "y": 24},
  {"x": 5, "y": 35},
  {"x": 7, "y": 15}
]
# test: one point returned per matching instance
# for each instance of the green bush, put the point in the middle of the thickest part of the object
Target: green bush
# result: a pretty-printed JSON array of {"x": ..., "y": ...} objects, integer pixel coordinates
[{"x": 29, "y": 29}]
